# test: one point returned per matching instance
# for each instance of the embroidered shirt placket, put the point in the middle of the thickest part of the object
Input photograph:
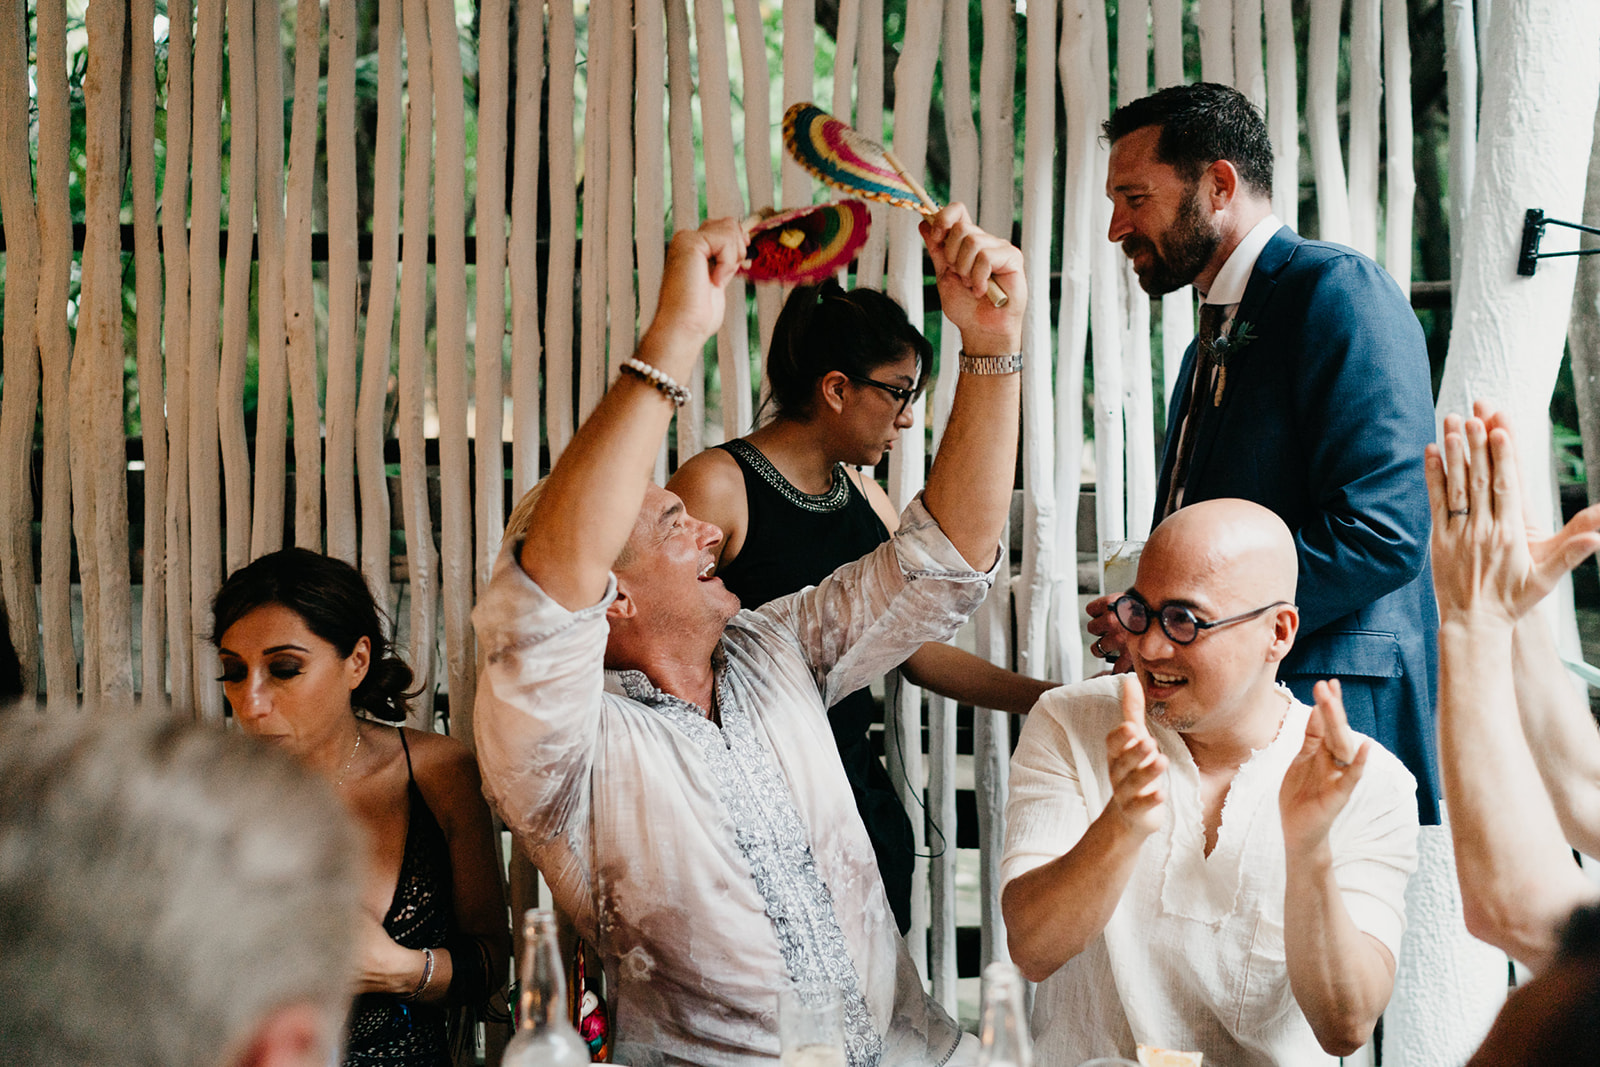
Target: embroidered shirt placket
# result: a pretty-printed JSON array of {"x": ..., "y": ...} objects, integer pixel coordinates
[{"x": 773, "y": 839}]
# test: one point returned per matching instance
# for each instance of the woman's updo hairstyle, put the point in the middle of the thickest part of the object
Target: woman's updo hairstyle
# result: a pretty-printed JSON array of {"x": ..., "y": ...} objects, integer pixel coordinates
[
  {"x": 332, "y": 598},
  {"x": 823, "y": 328}
]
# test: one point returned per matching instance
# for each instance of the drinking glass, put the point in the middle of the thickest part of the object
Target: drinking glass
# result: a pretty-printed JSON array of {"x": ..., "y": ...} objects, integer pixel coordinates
[
  {"x": 811, "y": 1026},
  {"x": 1108, "y": 1061},
  {"x": 1119, "y": 565}
]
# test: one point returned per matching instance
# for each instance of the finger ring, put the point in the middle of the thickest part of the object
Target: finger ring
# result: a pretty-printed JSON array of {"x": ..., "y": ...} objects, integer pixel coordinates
[
  {"x": 1456, "y": 513},
  {"x": 1096, "y": 651},
  {"x": 1341, "y": 764}
]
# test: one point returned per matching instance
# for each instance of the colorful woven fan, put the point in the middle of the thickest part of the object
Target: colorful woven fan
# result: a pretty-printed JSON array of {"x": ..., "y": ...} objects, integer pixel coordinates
[
  {"x": 806, "y": 244},
  {"x": 844, "y": 159}
]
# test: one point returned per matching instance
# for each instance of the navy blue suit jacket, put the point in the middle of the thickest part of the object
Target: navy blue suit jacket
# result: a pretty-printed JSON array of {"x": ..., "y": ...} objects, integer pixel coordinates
[{"x": 1324, "y": 418}]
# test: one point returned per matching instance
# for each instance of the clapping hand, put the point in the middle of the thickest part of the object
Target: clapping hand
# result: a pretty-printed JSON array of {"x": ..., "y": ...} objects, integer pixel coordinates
[
  {"x": 1136, "y": 765},
  {"x": 1484, "y": 557},
  {"x": 1323, "y": 774}
]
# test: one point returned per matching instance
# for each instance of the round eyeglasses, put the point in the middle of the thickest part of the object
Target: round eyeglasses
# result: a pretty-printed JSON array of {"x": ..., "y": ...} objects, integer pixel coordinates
[
  {"x": 1177, "y": 621},
  {"x": 899, "y": 392}
]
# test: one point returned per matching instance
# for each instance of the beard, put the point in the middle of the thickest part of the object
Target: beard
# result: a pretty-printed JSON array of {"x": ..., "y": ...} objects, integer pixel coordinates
[
  {"x": 1161, "y": 712},
  {"x": 1180, "y": 254}
]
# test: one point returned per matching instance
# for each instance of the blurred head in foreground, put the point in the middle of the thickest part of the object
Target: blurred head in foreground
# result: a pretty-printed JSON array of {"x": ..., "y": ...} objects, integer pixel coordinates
[{"x": 170, "y": 894}]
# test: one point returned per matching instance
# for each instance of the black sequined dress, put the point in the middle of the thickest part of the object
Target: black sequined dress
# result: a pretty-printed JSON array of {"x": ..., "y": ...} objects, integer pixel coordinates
[{"x": 383, "y": 1028}]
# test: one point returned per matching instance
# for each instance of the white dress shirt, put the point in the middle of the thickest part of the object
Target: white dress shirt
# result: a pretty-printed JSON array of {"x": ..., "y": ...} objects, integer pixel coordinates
[
  {"x": 1193, "y": 956},
  {"x": 709, "y": 864}
]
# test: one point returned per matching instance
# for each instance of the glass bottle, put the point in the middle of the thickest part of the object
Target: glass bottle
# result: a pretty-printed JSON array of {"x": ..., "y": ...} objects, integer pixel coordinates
[
  {"x": 1003, "y": 1037},
  {"x": 545, "y": 1037}
]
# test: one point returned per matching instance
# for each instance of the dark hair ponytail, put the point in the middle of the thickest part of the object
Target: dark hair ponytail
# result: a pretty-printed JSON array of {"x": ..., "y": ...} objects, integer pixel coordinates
[
  {"x": 824, "y": 328},
  {"x": 332, "y": 598}
]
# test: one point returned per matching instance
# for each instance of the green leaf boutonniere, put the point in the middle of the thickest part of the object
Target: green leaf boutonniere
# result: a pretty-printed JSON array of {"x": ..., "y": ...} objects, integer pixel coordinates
[{"x": 1225, "y": 348}]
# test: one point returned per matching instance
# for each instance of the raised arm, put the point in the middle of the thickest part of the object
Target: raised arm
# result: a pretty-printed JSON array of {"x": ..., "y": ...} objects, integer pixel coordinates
[
  {"x": 1341, "y": 976},
  {"x": 1558, "y": 724},
  {"x": 1054, "y": 911},
  {"x": 1518, "y": 880},
  {"x": 969, "y": 489},
  {"x": 592, "y": 498}
]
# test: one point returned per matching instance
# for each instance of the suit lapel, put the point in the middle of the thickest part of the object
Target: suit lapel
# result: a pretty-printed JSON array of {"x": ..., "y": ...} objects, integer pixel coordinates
[{"x": 1253, "y": 307}]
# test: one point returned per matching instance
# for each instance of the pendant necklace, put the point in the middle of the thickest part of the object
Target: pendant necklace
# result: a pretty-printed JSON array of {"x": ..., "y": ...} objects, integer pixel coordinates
[{"x": 339, "y": 782}]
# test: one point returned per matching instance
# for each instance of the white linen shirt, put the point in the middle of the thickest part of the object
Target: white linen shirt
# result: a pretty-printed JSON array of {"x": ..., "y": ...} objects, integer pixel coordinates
[
  {"x": 1193, "y": 956},
  {"x": 711, "y": 864}
]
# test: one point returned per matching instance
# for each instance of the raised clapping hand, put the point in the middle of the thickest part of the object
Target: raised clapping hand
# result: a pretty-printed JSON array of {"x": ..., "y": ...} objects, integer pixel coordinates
[
  {"x": 1136, "y": 765},
  {"x": 1111, "y": 640},
  {"x": 1323, "y": 774},
  {"x": 964, "y": 259},
  {"x": 1485, "y": 559}
]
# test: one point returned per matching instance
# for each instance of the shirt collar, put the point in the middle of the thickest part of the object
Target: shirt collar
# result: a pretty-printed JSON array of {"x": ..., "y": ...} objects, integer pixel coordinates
[{"x": 1229, "y": 284}]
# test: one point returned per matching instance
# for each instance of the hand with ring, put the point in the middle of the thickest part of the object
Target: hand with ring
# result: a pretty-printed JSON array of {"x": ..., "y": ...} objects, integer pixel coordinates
[{"x": 1111, "y": 640}]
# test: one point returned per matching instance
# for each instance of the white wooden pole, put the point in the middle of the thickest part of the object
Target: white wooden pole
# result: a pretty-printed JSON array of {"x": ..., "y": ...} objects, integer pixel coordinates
[
  {"x": 1399, "y": 173},
  {"x": 1106, "y": 313},
  {"x": 20, "y": 400},
  {"x": 1283, "y": 111},
  {"x": 649, "y": 151},
  {"x": 596, "y": 183},
  {"x": 1366, "y": 89},
  {"x": 622, "y": 330},
  {"x": 272, "y": 398},
  {"x": 456, "y": 571},
  {"x": 489, "y": 217},
  {"x": 340, "y": 404},
  {"x": 205, "y": 291},
  {"x": 913, "y": 92},
  {"x": 236, "y": 281},
  {"x": 997, "y": 80},
  {"x": 869, "y": 120},
  {"x": 524, "y": 264},
  {"x": 175, "y": 309},
  {"x": 558, "y": 316},
  {"x": 152, "y": 387},
  {"x": 377, "y": 347},
  {"x": 961, "y": 133},
  {"x": 299, "y": 293},
  {"x": 722, "y": 198},
  {"x": 1138, "y": 400},
  {"x": 1249, "y": 73},
  {"x": 1461, "y": 89},
  {"x": 685, "y": 197},
  {"x": 1072, "y": 328},
  {"x": 1214, "y": 23},
  {"x": 1177, "y": 308},
  {"x": 1322, "y": 121},
  {"x": 799, "y": 72},
  {"x": 413, "y": 378},
  {"x": 97, "y": 374},
  {"x": 759, "y": 133},
  {"x": 844, "y": 58}
]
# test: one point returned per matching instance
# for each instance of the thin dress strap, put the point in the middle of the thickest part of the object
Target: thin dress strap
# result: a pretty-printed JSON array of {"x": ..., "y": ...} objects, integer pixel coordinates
[{"x": 410, "y": 775}]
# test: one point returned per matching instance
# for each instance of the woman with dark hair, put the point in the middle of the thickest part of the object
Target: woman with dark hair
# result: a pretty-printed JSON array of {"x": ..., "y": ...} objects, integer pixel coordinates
[
  {"x": 793, "y": 504},
  {"x": 306, "y": 667}
]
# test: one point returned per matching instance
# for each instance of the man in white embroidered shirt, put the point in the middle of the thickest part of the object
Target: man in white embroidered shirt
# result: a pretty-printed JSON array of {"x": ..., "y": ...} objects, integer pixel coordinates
[
  {"x": 687, "y": 805},
  {"x": 1194, "y": 860}
]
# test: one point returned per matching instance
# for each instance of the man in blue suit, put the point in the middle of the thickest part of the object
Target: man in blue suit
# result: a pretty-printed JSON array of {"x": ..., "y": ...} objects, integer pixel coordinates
[{"x": 1307, "y": 391}]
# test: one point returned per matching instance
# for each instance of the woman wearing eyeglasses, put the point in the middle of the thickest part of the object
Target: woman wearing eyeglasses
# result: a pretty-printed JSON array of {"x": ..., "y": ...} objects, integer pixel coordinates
[{"x": 793, "y": 504}]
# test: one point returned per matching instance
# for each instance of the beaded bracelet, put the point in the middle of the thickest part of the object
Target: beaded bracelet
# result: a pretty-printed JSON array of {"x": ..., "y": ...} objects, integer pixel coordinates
[
  {"x": 663, "y": 382},
  {"x": 1009, "y": 363},
  {"x": 427, "y": 976}
]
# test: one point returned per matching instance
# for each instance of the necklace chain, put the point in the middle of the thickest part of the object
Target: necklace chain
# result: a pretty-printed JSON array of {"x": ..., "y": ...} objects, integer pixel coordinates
[{"x": 339, "y": 782}]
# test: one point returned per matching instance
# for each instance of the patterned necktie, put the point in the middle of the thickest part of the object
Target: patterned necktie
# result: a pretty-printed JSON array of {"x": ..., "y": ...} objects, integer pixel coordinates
[{"x": 1199, "y": 387}]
